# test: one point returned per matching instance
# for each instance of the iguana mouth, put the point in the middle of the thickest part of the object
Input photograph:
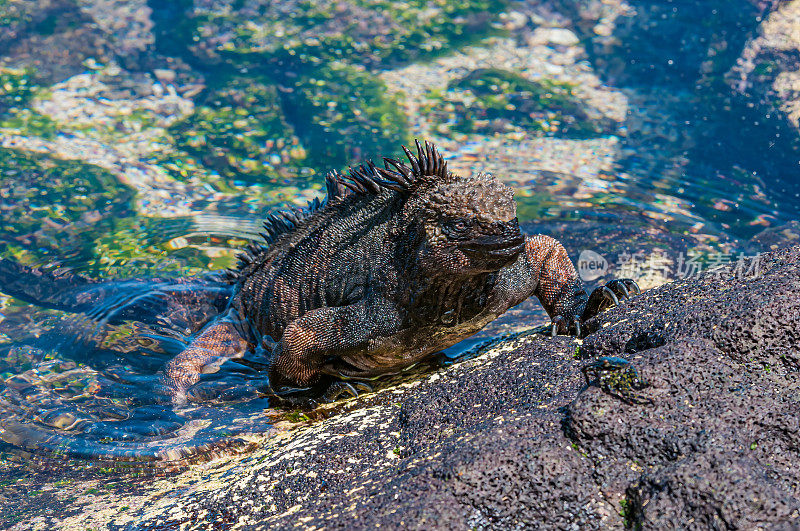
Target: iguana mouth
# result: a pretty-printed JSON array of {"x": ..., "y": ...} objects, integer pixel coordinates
[{"x": 494, "y": 247}]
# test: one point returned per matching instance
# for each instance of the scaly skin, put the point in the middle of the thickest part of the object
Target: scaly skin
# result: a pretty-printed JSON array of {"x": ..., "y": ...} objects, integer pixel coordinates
[{"x": 397, "y": 264}]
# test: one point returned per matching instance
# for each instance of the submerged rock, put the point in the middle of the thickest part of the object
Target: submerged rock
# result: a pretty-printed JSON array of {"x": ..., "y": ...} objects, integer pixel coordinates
[
  {"x": 776, "y": 238},
  {"x": 515, "y": 438},
  {"x": 48, "y": 203},
  {"x": 240, "y": 131},
  {"x": 52, "y": 37}
]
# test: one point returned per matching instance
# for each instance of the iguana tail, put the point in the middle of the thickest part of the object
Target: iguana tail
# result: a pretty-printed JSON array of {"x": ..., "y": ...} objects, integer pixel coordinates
[
  {"x": 56, "y": 288},
  {"x": 186, "y": 302}
]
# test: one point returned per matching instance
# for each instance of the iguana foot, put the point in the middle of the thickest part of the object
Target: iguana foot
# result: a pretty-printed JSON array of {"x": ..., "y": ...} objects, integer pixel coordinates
[
  {"x": 617, "y": 377},
  {"x": 609, "y": 296},
  {"x": 303, "y": 399},
  {"x": 305, "y": 403},
  {"x": 341, "y": 389},
  {"x": 601, "y": 299}
]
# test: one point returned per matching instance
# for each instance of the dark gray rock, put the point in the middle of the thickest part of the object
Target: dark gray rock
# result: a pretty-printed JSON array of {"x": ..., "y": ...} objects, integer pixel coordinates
[
  {"x": 776, "y": 238},
  {"x": 750, "y": 311},
  {"x": 514, "y": 438},
  {"x": 711, "y": 491}
]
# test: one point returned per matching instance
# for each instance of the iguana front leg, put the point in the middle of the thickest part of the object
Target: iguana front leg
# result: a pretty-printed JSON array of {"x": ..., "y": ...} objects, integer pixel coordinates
[
  {"x": 545, "y": 270},
  {"x": 218, "y": 342},
  {"x": 329, "y": 332}
]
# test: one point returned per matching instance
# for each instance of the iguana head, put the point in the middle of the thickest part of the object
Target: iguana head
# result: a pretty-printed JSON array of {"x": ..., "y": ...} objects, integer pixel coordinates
[
  {"x": 447, "y": 224},
  {"x": 461, "y": 225},
  {"x": 469, "y": 225}
]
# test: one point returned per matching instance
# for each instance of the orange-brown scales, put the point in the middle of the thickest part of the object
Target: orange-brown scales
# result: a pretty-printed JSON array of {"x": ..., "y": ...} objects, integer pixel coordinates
[{"x": 396, "y": 264}]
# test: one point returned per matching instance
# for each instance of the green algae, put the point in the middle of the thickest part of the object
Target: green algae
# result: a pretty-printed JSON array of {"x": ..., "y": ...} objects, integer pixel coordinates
[
  {"x": 436, "y": 27},
  {"x": 314, "y": 90},
  {"x": 542, "y": 95},
  {"x": 256, "y": 132},
  {"x": 138, "y": 247},
  {"x": 16, "y": 87},
  {"x": 296, "y": 417},
  {"x": 37, "y": 187},
  {"x": 49, "y": 205},
  {"x": 27, "y": 122},
  {"x": 238, "y": 130},
  {"x": 492, "y": 100},
  {"x": 295, "y": 34},
  {"x": 17, "y": 90},
  {"x": 346, "y": 115}
]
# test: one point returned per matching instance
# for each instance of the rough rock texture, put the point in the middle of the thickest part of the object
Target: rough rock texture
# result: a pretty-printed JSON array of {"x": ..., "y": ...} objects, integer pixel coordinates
[
  {"x": 513, "y": 438},
  {"x": 53, "y": 36},
  {"x": 776, "y": 238},
  {"x": 745, "y": 317}
]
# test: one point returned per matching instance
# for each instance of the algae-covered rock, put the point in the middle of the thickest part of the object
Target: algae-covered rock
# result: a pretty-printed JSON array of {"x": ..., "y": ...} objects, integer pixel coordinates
[
  {"x": 344, "y": 114},
  {"x": 48, "y": 203},
  {"x": 238, "y": 130},
  {"x": 313, "y": 103},
  {"x": 256, "y": 131},
  {"x": 774, "y": 238},
  {"x": 492, "y": 100},
  {"x": 17, "y": 90},
  {"x": 294, "y": 33}
]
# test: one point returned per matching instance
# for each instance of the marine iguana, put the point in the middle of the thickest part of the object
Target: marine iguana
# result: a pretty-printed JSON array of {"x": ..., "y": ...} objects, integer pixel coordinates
[{"x": 396, "y": 264}]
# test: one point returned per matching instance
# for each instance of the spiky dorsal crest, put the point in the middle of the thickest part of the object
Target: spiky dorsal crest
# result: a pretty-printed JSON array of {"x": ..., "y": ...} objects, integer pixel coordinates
[
  {"x": 428, "y": 162},
  {"x": 334, "y": 186},
  {"x": 277, "y": 224},
  {"x": 366, "y": 179}
]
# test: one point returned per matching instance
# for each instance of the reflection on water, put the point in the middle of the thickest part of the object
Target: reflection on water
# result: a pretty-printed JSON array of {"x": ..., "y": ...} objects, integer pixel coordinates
[
  {"x": 86, "y": 384},
  {"x": 605, "y": 184}
]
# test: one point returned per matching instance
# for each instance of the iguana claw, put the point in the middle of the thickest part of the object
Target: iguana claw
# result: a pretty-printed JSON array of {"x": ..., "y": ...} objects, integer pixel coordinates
[
  {"x": 609, "y": 296},
  {"x": 340, "y": 389},
  {"x": 560, "y": 323},
  {"x": 337, "y": 390},
  {"x": 363, "y": 386}
]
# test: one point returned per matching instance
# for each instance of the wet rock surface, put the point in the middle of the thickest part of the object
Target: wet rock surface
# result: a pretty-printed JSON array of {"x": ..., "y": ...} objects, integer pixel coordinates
[
  {"x": 515, "y": 438},
  {"x": 776, "y": 238}
]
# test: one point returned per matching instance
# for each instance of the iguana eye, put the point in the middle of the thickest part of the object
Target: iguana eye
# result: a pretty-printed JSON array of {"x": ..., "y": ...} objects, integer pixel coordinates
[{"x": 457, "y": 227}]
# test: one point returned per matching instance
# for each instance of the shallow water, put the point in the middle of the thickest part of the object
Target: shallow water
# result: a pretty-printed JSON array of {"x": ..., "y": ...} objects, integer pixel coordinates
[
  {"x": 156, "y": 153},
  {"x": 87, "y": 385}
]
